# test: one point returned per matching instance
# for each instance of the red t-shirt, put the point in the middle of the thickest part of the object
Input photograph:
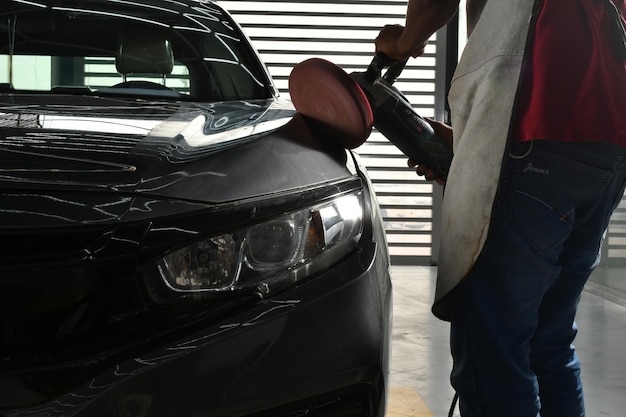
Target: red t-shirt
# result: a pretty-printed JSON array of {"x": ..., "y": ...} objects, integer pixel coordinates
[{"x": 574, "y": 88}]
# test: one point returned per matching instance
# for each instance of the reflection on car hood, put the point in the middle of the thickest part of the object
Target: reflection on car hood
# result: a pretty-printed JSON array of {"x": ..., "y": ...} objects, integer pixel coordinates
[
  {"x": 67, "y": 137},
  {"x": 196, "y": 152}
]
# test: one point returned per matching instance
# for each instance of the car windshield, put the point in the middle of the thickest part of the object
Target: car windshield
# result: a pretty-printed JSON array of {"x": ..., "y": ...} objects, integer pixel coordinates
[{"x": 127, "y": 48}]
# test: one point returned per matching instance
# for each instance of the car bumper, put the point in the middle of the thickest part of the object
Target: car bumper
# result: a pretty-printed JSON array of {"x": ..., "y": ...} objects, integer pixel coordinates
[{"x": 321, "y": 348}]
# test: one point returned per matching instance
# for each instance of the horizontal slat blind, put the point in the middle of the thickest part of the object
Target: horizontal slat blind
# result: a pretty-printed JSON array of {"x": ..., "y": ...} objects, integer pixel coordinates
[
  {"x": 288, "y": 32},
  {"x": 614, "y": 248}
]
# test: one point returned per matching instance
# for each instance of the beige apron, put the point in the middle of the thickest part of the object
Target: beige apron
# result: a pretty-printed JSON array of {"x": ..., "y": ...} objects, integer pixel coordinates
[{"x": 482, "y": 97}]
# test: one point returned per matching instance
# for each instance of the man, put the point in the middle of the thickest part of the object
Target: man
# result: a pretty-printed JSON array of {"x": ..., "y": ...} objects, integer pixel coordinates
[{"x": 538, "y": 104}]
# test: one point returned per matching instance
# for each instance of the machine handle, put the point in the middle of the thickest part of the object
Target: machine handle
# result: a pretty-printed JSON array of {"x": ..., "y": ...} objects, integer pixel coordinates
[
  {"x": 394, "y": 71},
  {"x": 379, "y": 62}
]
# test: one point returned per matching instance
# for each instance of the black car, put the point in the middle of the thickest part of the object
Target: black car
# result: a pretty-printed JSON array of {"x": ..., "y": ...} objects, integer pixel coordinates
[{"x": 176, "y": 240}]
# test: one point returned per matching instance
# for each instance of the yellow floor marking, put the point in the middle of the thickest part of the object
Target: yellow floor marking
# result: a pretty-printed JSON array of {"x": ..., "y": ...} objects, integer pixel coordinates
[{"x": 406, "y": 402}]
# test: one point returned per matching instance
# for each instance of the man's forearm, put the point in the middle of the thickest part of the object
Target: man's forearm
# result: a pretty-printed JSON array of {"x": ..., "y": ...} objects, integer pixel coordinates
[{"x": 423, "y": 18}]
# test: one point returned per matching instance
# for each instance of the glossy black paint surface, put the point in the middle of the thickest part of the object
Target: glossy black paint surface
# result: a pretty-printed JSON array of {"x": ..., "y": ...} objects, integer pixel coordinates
[
  {"x": 96, "y": 188},
  {"x": 160, "y": 161}
]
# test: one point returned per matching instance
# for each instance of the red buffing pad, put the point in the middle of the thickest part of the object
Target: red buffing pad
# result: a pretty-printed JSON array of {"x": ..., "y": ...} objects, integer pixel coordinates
[{"x": 325, "y": 93}]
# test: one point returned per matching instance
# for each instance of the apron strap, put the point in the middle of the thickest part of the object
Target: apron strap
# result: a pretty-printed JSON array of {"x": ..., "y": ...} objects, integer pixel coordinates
[{"x": 618, "y": 30}]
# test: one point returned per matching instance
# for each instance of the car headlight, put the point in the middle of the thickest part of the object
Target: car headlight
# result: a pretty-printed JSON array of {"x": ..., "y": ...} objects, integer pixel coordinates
[{"x": 267, "y": 256}]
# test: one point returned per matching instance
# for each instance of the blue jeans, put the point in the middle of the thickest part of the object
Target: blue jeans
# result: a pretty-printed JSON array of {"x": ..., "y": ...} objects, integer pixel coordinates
[{"x": 512, "y": 323}]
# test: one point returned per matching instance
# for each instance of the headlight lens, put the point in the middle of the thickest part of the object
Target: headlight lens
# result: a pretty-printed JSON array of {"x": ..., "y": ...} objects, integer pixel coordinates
[
  {"x": 269, "y": 255},
  {"x": 209, "y": 264}
]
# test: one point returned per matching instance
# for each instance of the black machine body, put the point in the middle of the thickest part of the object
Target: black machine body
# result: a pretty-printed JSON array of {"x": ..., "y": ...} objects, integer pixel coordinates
[{"x": 396, "y": 119}]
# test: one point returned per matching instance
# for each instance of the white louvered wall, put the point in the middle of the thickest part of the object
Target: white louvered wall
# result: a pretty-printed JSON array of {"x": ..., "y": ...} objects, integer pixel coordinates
[{"x": 287, "y": 32}]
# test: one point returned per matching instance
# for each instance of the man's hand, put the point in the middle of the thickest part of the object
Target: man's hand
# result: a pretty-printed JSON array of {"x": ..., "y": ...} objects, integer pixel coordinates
[
  {"x": 446, "y": 133},
  {"x": 390, "y": 41},
  {"x": 427, "y": 173}
]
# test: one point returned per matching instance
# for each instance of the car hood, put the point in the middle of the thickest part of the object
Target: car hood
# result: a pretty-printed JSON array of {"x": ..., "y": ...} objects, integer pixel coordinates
[{"x": 211, "y": 152}]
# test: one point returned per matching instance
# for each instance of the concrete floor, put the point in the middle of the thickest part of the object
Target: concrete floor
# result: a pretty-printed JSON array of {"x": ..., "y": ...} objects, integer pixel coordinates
[{"x": 421, "y": 360}]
